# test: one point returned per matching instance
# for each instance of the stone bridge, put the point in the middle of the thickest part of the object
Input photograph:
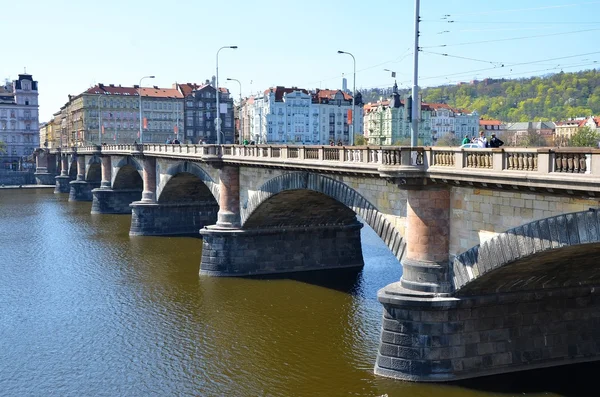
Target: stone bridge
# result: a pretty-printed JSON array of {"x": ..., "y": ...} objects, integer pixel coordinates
[{"x": 499, "y": 247}]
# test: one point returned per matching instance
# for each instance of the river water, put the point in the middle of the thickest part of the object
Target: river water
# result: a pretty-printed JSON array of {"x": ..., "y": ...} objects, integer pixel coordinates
[{"x": 86, "y": 310}]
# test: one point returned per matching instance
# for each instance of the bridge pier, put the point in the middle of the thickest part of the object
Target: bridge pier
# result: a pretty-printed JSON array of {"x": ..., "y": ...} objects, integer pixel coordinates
[
  {"x": 81, "y": 190},
  {"x": 162, "y": 219},
  {"x": 152, "y": 218},
  {"x": 239, "y": 252},
  {"x": 42, "y": 176},
  {"x": 436, "y": 339},
  {"x": 62, "y": 180},
  {"x": 421, "y": 294},
  {"x": 106, "y": 200}
]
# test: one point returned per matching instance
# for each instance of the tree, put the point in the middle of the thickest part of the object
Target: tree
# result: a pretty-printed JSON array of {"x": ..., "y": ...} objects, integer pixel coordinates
[
  {"x": 529, "y": 139},
  {"x": 448, "y": 140},
  {"x": 2, "y": 147},
  {"x": 585, "y": 137},
  {"x": 360, "y": 140}
]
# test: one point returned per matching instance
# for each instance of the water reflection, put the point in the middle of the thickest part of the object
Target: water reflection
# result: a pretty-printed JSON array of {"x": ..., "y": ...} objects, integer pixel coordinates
[{"x": 87, "y": 310}]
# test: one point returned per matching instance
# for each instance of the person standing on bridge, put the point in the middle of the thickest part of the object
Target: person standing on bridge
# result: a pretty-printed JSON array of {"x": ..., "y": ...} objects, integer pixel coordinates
[
  {"x": 482, "y": 140},
  {"x": 466, "y": 140},
  {"x": 495, "y": 142}
]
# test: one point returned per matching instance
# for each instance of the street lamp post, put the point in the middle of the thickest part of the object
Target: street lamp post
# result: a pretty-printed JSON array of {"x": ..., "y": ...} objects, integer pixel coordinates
[
  {"x": 218, "y": 118},
  {"x": 353, "y": 96},
  {"x": 140, "y": 97},
  {"x": 240, "y": 110}
]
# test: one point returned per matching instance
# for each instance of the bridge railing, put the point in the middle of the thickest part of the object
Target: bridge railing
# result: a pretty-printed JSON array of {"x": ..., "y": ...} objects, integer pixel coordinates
[
  {"x": 508, "y": 160},
  {"x": 583, "y": 161}
]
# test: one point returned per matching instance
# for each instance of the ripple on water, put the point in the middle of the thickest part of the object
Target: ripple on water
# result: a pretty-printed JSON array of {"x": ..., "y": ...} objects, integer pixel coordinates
[{"x": 88, "y": 310}]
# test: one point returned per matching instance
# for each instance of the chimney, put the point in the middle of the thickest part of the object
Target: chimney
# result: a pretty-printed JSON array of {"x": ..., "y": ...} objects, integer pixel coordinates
[
  {"x": 136, "y": 86},
  {"x": 112, "y": 85},
  {"x": 100, "y": 85},
  {"x": 156, "y": 88}
]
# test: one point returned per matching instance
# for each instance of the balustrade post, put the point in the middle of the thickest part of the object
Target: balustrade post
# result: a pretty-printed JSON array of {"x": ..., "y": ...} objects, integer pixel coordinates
[
  {"x": 543, "y": 162},
  {"x": 301, "y": 153},
  {"x": 149, "y": 177},
  {"x": 498, "y": 159},
  {"x": 405, "y": 156},
  {"x": 459, "y": 159}
]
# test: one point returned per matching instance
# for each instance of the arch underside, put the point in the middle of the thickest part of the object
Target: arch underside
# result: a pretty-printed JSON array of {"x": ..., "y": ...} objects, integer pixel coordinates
[
  {"x": 571, "y": 266},
  {"x": 128, "y": 177},
  {"x": 300, "y": 208},
  {"x": 185, "y": 188},
  {"x": 556, "y": 252},
  {"x": 94, "y": 173},
  {"x": 193, "y": 174},
  {"x": 307, "y": 199},
  {"x": 73, "y": 170}
]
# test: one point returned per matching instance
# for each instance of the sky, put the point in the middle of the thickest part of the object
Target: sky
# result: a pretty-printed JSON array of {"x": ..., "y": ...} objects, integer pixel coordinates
[{"x": 68, "y": 46}]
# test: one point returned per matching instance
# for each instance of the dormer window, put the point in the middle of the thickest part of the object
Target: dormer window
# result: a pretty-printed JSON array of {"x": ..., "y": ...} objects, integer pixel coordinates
[{"x": 25, "y": 85}]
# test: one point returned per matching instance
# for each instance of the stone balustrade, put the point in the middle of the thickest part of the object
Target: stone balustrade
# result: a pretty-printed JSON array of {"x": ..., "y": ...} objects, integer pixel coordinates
[{"x": 517, "y": 166}]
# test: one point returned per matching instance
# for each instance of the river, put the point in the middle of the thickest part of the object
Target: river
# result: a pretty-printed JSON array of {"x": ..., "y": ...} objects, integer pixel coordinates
[{"x": 86, "y": 310}]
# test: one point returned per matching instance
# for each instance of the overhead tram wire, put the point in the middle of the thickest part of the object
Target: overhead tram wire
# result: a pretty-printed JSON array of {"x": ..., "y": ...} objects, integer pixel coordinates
[
  {"x": 395, "y": 60},
  {"x": 509, "y": 39},
  {"x": 470, "y": 73},
  {"x": 524, "y": 9},
  {"x": 512, "y": 22},
  {"x": 506, "y": 65},
  {"x": 498, "y": 64},
  {"x": 559, "y": 68}
]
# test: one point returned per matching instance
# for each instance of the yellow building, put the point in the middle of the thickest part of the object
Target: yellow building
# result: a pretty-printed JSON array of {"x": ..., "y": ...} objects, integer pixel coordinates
[{"x": 564, "y": 130}]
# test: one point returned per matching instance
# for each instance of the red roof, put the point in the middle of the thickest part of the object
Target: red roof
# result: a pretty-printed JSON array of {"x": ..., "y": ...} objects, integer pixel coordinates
[
  {"x": 157, "y": 92},
  {"x": 330, "y": 94},
  {"x": 437, "y": 106},
  {"x": 490, "y": 122},
  {"x": 187, "y": 88},
  {"x": 111, "y": 89},
  {"x": 280, "y": 91}
]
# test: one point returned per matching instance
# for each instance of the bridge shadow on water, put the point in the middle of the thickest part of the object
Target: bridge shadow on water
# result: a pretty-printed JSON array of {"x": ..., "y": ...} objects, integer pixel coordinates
[
  {"x": 575, "y": 380},
  {"x": 344, "y": 280}
]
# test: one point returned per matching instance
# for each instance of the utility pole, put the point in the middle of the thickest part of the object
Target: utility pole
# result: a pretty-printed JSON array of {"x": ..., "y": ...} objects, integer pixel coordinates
[{"x": 416, "y": 103}]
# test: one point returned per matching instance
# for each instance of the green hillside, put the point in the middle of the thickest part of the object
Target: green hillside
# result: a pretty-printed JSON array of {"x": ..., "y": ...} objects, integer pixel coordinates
[{"x": 555, "y": 97}]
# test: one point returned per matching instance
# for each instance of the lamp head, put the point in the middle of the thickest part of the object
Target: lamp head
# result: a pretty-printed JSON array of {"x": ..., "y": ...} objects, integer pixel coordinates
[
  {"x": 233, "y": 46},
  {"x": 151, "y": 77},
  {"x": 341, "y": 52}
]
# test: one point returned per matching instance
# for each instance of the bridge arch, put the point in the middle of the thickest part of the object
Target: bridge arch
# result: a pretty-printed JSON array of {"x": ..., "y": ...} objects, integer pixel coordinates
[
  {"x": 93, "y": 169},
  {"x": 324, "y": 193},
  {"x": 72, "y": 167},
  {"x": 188, "y": 181},
  {"x": 128, "y": 174},
  {"x": 555, "y": 252}
]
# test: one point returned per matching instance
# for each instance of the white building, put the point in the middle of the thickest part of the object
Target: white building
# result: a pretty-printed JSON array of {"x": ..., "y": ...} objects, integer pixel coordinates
[
  {"x": 466, "y": 123},
  {"x": 442, "y": 120},
  {"x": 19, "y": 120},
  {"x": 296, "y": 116}
]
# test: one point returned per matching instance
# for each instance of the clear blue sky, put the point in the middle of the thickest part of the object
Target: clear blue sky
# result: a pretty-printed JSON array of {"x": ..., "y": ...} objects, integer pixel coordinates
[{"x": 69, "y": 46}]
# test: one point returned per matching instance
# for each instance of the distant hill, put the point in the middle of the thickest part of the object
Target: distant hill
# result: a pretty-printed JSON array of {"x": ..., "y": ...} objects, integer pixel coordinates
[{"x": 551, "y": 97}]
